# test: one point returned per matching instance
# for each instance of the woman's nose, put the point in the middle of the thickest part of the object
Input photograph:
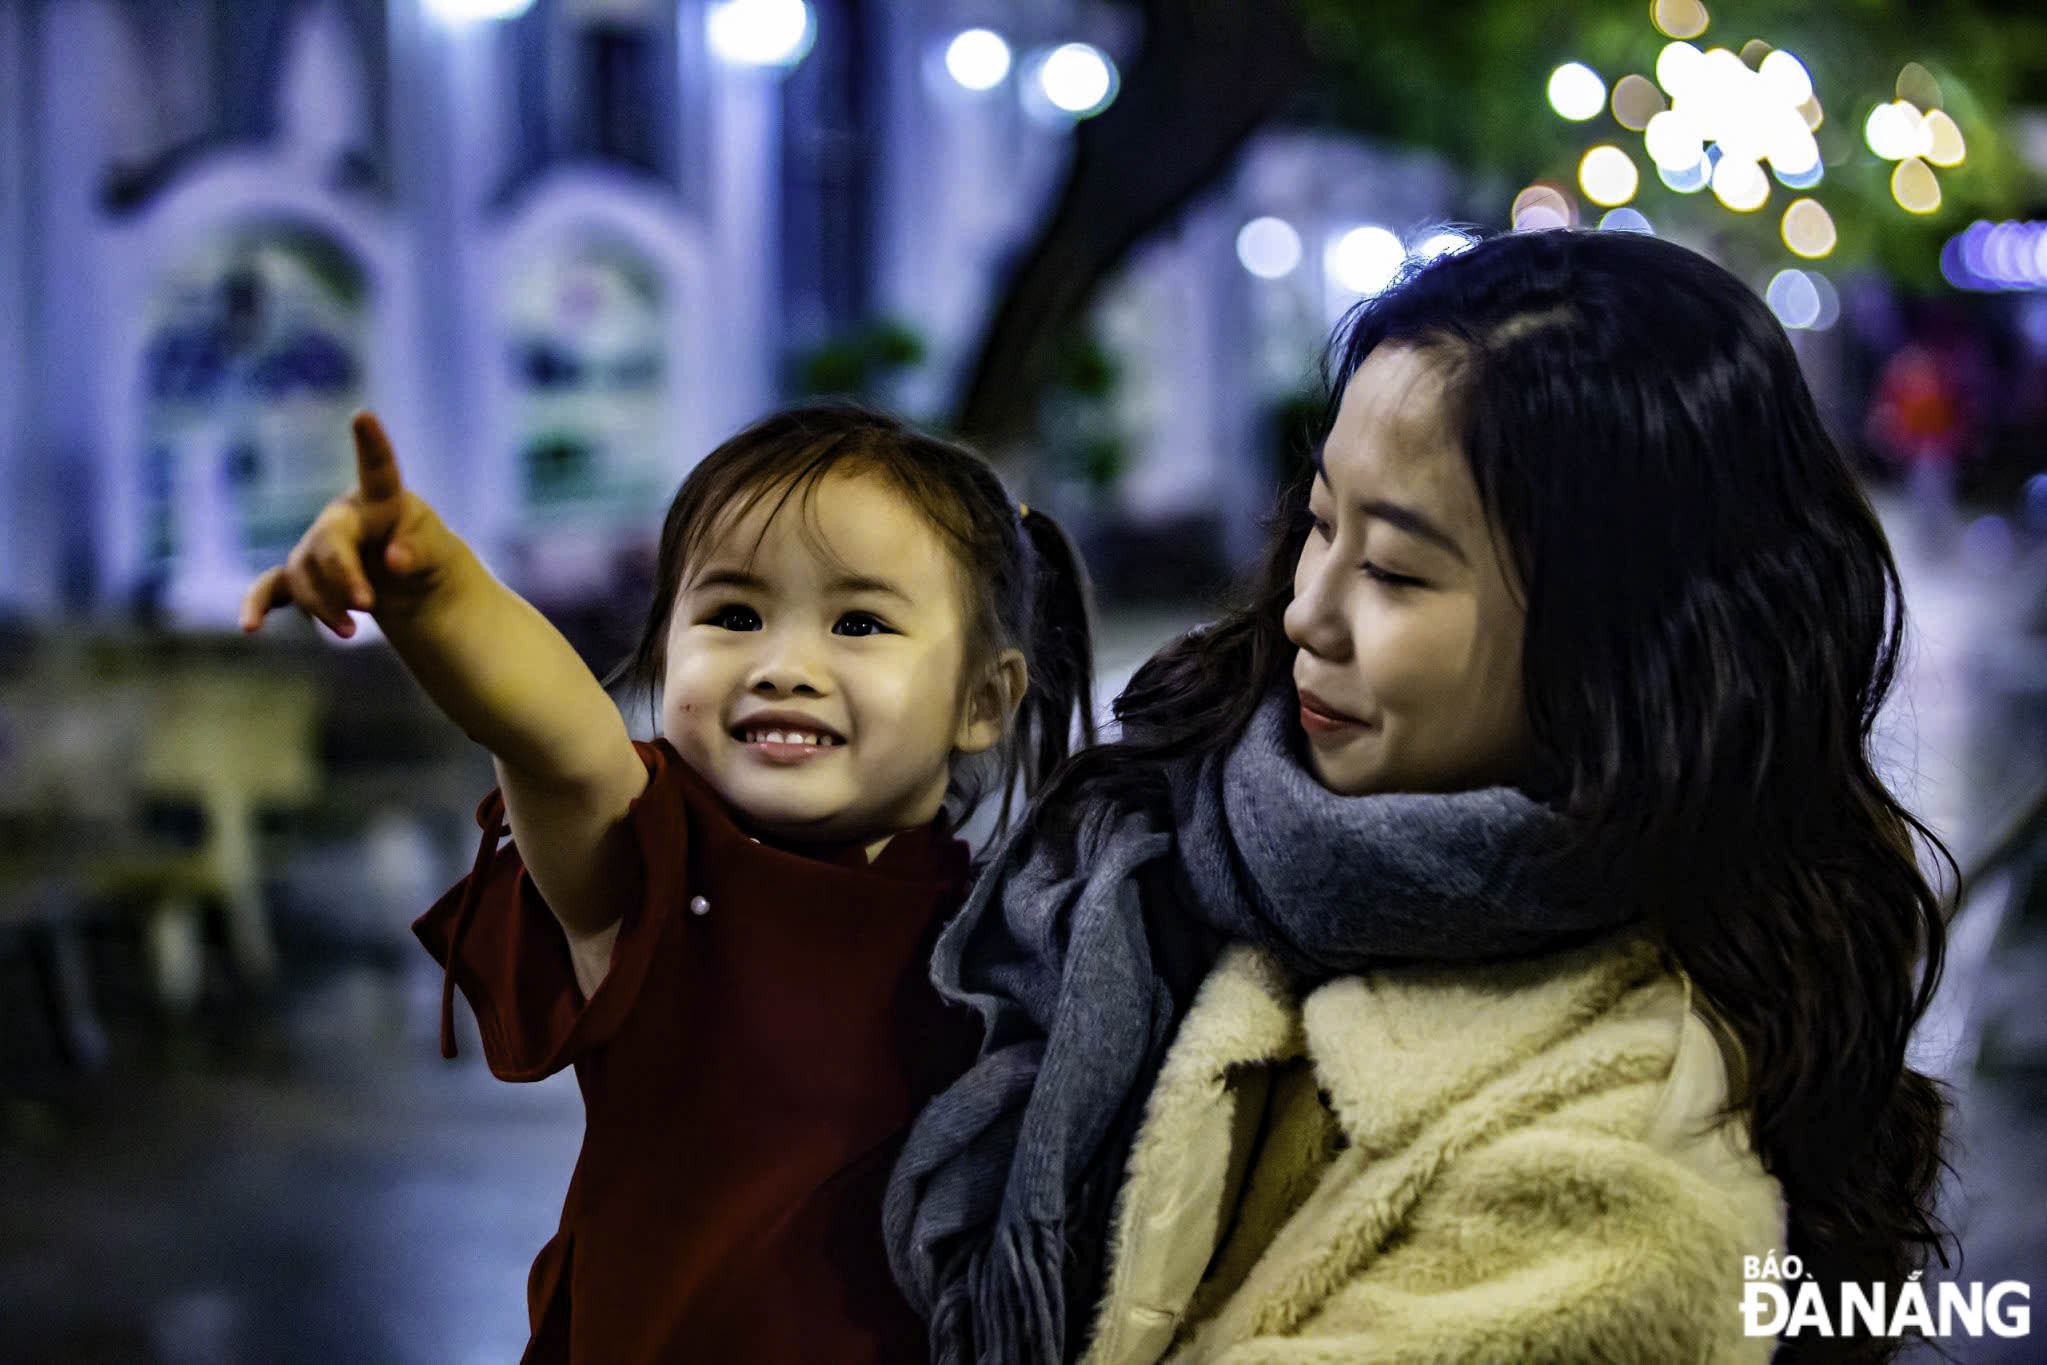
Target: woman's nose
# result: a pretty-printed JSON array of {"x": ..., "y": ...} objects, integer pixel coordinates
[{"x": 1314, "y": 620}]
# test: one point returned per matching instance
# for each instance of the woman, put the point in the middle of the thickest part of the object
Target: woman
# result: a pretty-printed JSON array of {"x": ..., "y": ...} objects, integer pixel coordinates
[{"x": 1492, "y": 932}]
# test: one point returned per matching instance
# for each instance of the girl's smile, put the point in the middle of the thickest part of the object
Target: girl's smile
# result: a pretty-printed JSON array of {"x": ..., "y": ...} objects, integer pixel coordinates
[{"x": 786, "y": 738}]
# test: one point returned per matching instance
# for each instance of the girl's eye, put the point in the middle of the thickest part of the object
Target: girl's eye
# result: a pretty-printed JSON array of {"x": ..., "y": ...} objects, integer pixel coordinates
[
  {"x": 858, "y": 623},
  {"x": 1321, "y": 527},
  {"x": 734, "y": 616},
  {"x": 1391, "y": 580}
]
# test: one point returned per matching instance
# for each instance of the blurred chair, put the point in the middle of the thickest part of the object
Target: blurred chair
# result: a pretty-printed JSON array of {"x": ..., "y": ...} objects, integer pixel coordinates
[
  {"x": 59, "y": 812},
  {"x": 225, "y": 742},
  {"x": 106, "y": 748}
]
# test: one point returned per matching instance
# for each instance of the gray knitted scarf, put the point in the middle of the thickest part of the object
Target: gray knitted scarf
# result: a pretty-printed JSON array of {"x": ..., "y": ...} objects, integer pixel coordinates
[{"x": 997, "y": 1214}]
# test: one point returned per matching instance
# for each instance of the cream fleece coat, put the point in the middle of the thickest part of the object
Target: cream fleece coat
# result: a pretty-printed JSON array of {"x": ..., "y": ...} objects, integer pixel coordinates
[{"x": 1525, "y": 1171}]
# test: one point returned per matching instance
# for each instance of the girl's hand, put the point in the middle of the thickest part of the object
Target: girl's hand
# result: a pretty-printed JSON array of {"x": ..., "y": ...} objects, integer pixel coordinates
[{"x": 377, "y": 548}]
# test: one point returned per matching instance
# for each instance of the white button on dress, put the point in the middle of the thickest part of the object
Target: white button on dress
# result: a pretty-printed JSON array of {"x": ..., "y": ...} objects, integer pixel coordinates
[{"x": 699, "y": 906}]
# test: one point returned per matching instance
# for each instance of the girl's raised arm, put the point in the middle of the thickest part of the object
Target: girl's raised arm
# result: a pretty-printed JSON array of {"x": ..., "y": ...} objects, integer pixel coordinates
[{"x": 491, "y": 662}]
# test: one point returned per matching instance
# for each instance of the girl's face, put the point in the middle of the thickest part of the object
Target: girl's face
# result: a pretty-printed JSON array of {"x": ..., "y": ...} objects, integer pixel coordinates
[
  {"x": 1409, "y": 671},
  {"x": 815, "y": 681}
]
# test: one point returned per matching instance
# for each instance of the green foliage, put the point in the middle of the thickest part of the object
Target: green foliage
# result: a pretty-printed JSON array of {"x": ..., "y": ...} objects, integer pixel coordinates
[
  {"x": 1468, "y": 81},
  {"x": 860, "y": 361},
  {"x": 1087, "y": 440}
]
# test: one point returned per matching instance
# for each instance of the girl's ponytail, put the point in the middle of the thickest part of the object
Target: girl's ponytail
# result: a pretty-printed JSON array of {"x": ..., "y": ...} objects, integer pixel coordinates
[{"x": 1061, "y": 652}]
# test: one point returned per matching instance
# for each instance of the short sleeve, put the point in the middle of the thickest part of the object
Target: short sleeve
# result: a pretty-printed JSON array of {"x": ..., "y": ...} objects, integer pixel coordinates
[{"x": 497, "y": 941}]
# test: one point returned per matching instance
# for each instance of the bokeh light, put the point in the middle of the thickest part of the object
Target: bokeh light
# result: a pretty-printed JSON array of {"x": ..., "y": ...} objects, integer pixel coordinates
[
  {"x": 476, "y": 11},
  {"x": 1917, "y": 86},
  {"x": 1576, "y": 92},
  {"x": 1636, "y": 100},
  {"x": 1809, "y": 229},
  {"x": 1443, "y": 242},
  {"x": 1626, "y": 220},
  {"x": 1740, "y": 184},
  {"x": 1078, "y": 78},
  {"x": 1678, "y": 67},
  {"x": 1608, "y": 176},
  {"x": 1786, "y": 77},
  {"x": 1896, "y": 130},
  {"x": 1944, "y": 138},
  {"x": 1364, "y": 260},
  {"x": 1542, "y": 206},
  {"x": 1679, "y": 18},
  {"x": 1673, "y": 140},
  {"x": 764, "y": 33},
  {"x": 1914, "y": 187},
  {"x": 978, "y": 58},
  {"x": 1793, "y": 298},
  {"x": 1687, "y": 179},
  {"x": 1997, "y": 256},
  {"x": 1269, "y": 247}
]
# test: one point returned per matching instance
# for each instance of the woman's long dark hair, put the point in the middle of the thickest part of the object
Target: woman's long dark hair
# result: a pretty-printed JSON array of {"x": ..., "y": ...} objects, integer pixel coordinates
[{"x": 1713, "y": 621}]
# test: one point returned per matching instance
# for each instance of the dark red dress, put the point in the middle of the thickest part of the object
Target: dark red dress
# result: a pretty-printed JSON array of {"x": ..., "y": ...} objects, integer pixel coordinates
[{"x": 748, "y": 1074}]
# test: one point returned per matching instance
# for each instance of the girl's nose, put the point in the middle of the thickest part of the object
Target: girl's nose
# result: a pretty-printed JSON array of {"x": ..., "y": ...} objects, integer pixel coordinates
[{"x": 786, "y": 667}]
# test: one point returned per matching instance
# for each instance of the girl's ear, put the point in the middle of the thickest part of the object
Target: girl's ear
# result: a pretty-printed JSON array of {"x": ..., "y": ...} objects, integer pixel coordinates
[{"x": 992, "y": 703}]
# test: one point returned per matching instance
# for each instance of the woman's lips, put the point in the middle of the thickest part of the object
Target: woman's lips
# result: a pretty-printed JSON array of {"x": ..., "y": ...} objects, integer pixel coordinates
[{"x": 1318, "y": 717}]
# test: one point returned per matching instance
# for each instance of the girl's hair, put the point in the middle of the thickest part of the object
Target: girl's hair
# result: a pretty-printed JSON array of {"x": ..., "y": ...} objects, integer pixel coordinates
[
  {"x": 1021, "y": 583},
  {"x": 1713, "y": 620}
]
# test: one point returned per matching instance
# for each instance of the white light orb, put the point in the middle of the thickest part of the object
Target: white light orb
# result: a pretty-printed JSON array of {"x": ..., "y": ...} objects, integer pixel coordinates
[
  {"x": 1269, "y": 247},
  {"x": 1895, "y": 131},
  {"x": 1678, "y": 66},
  {"x": 1626, "y": 220},
  {"x": 476, "y": 11},
  {"x": 763, "y": 33},
  {"x": 1576, "y": 92},
  {"x": 1794, "y": 298},
  {"x": 1739, "y": 184},
  {"x": 1792, "y": 148},
  {"x": 1673, "y": 140},
  {"x": 1608, "y": 176},
  {"x": 1786, "y": 78},
  {"x": 1364, "y": 260},
  {"x": 1078, "y": 78},
  {"x": 977, "y": 58},
  {"x": 1445, "y": 242}
]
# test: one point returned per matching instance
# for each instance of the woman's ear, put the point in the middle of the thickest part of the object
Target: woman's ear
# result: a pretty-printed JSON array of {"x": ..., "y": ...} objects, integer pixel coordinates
[{"x": 991, "y": 703}]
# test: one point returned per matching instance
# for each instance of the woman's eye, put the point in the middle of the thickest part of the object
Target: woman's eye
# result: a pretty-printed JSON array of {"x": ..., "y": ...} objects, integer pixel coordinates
[
  {"x": 861, "y": 623},
  {"x": 734, "y": 616},
  {"x": 1391, "y": 580},
  {"x": 1321, "y": 527}
]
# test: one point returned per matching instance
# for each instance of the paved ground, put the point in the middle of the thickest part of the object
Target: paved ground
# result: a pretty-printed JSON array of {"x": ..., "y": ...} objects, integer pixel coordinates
[{"x": 310, "y": 1182}]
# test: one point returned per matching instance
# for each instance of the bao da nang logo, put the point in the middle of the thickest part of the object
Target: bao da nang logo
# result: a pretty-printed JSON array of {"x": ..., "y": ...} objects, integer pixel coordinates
[{"x": 1777, "y": 1300}]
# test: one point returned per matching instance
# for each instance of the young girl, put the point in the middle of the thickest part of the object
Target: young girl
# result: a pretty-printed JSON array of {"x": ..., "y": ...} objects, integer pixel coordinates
[
  {"x": 727, "y": 931},
  {"x": 1491, "y": 935}
]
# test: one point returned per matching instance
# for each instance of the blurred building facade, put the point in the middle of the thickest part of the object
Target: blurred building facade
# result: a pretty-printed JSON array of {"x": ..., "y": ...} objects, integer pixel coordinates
[{"x": 566, "y": 250}]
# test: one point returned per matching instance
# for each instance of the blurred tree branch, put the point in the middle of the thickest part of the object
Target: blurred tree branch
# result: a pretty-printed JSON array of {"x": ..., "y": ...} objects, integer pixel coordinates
[
  {"x": 1210, "y": 73},
  {"x": 1467, "y": 81}
]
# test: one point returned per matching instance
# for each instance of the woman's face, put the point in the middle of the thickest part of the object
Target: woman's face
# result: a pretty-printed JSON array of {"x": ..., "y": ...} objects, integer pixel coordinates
[{"x": 1407, "y": 621}]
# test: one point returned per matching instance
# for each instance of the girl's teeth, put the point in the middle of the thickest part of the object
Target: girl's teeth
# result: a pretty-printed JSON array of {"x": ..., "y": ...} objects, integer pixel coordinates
[{"x": 787, "y": 737}]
